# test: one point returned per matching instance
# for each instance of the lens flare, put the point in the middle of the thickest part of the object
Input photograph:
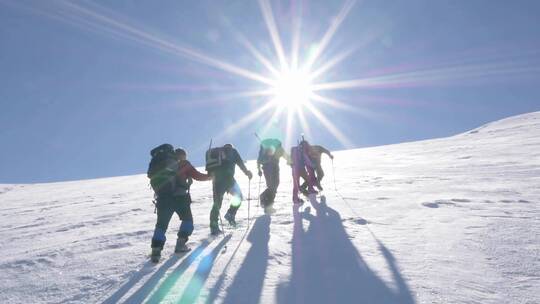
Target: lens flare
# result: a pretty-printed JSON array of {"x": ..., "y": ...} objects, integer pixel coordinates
[{"x": 292, "y": 89}]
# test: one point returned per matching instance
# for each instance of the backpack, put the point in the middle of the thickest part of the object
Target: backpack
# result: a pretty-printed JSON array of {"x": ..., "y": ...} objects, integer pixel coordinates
[
  {"x": 214, "y": 159},
  {"x": 269, "y": 144},
  {"x": 162, "y": 170},
  {"x": 217, "y": 158}
]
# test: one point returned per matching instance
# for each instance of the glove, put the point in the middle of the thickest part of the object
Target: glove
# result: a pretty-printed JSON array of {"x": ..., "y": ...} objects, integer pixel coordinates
[
  {"x": 260, "y": 173},
  {"x": 249, "y": 175}
]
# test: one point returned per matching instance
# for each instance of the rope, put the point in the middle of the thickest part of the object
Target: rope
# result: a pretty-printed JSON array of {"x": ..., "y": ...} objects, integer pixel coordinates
[
  {"x": 334, "y": 174},
  {"x": 339, "y": 193},
  {"x": 348, "y": 204}
]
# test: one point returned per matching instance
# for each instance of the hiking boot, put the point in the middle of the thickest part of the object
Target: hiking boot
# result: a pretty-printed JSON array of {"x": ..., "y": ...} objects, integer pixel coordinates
[
  {"x": 181, "y": 246},
  {"x": 312, "y": 191},
  {"x": 230, "y": 218},
  {"x": 155, "y": 255},
  {"x": 262, "y": 200},
  {"x": 269, "y": 210},
  {"x": 298, "y": 201},
  {"x": 214, "y": 230}
]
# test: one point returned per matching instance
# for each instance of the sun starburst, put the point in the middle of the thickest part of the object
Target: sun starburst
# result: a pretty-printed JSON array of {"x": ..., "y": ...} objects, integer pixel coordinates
[{"x": 292, "y": 89}]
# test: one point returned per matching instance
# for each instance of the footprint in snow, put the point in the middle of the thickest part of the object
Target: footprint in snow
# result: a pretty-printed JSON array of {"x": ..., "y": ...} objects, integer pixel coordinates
[
  {"x": 44, "y": 261},
  {"x": 117, "y": 246},
  {"x": 460, "y": 200},
  {"x": 437, "y": 204},
  {"x": 285, "y": 222},
  {"x": 361, "y": 221},
  {"x": 5, "y": 190},
  {"x": 26, "y": 263},
  {"x": 63, "y": 229}
]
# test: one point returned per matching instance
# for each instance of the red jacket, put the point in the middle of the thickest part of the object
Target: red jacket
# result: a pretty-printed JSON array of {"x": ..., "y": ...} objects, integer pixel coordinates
[{"x": 186, "y": 170}]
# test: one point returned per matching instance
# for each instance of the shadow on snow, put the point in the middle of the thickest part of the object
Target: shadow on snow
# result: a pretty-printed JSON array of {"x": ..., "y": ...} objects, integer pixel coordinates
[
  {"x": 327, "y": 268},
  {"x": 196, "y": 284},
  {"x": 162, "y": 290},
  {"x": 248, "y": 282}
]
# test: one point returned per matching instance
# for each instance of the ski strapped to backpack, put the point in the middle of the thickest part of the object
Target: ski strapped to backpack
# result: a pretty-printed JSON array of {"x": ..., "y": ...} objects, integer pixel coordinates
[{"x": 162, "y": 170}]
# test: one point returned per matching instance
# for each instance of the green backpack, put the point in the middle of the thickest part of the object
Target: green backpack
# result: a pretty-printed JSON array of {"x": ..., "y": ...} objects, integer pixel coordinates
[{"x": 162, "y": 170}]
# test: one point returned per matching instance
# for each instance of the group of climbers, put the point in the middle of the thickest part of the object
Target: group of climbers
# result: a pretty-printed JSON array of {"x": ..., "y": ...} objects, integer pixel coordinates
[
  {"x": 305, "y": 160},
  {"x": 171, "y": 176}
]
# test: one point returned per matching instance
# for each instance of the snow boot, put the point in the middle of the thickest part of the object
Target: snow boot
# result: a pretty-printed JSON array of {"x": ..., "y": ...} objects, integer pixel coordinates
[
  {"x": 155, "y": 255},
  {"x": 269, "y": 210},
  {"x": 230, "y": 218},
  {"x": 181, "y": 246},
  {"x": 214, "y": 230},
  {"x": 298, "y": 201},
  {"x": 262, "y": 199}
]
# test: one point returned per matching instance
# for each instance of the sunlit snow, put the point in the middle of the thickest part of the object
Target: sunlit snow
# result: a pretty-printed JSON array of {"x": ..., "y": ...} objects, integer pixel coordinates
[{"x": 450, "y": 220}]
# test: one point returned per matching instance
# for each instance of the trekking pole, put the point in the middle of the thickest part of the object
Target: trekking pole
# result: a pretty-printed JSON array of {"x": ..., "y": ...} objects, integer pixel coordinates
[
  {"x": 221, "y": 223},
  {"x": 259, "y": 193},
  {"x": 249, "y": 199},
  {"x": 334, "y": 174}
]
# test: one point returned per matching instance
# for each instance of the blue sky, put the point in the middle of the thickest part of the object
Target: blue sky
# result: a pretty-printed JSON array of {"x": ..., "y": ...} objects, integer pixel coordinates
[{"x": 89, "y": 87}]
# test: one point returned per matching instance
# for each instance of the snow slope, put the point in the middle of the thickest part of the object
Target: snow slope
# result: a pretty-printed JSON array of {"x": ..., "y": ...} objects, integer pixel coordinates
[{"x": 451, "y": 220}]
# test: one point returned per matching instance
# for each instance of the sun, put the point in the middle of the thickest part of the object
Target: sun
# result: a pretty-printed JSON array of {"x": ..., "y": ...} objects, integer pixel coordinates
[
  {"x": 293, "y": 84},
  {"x": 292, "y": 89}
]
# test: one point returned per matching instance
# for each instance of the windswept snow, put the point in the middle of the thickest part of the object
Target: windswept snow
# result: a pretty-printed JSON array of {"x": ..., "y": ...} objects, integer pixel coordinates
[{"x": 451, "y": 220}]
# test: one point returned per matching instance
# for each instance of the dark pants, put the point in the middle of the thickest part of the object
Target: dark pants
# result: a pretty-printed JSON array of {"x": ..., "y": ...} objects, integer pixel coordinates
[
  {"x": 319, "y": 173},
  {"x": 221, "y": 186},
  {"x": 166, "y": 207},
  {"x": 271, "y": 176}
]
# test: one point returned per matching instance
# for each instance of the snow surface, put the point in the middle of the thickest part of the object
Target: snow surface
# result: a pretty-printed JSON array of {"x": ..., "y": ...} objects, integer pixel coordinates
[{"x": 451, "y": 220}]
